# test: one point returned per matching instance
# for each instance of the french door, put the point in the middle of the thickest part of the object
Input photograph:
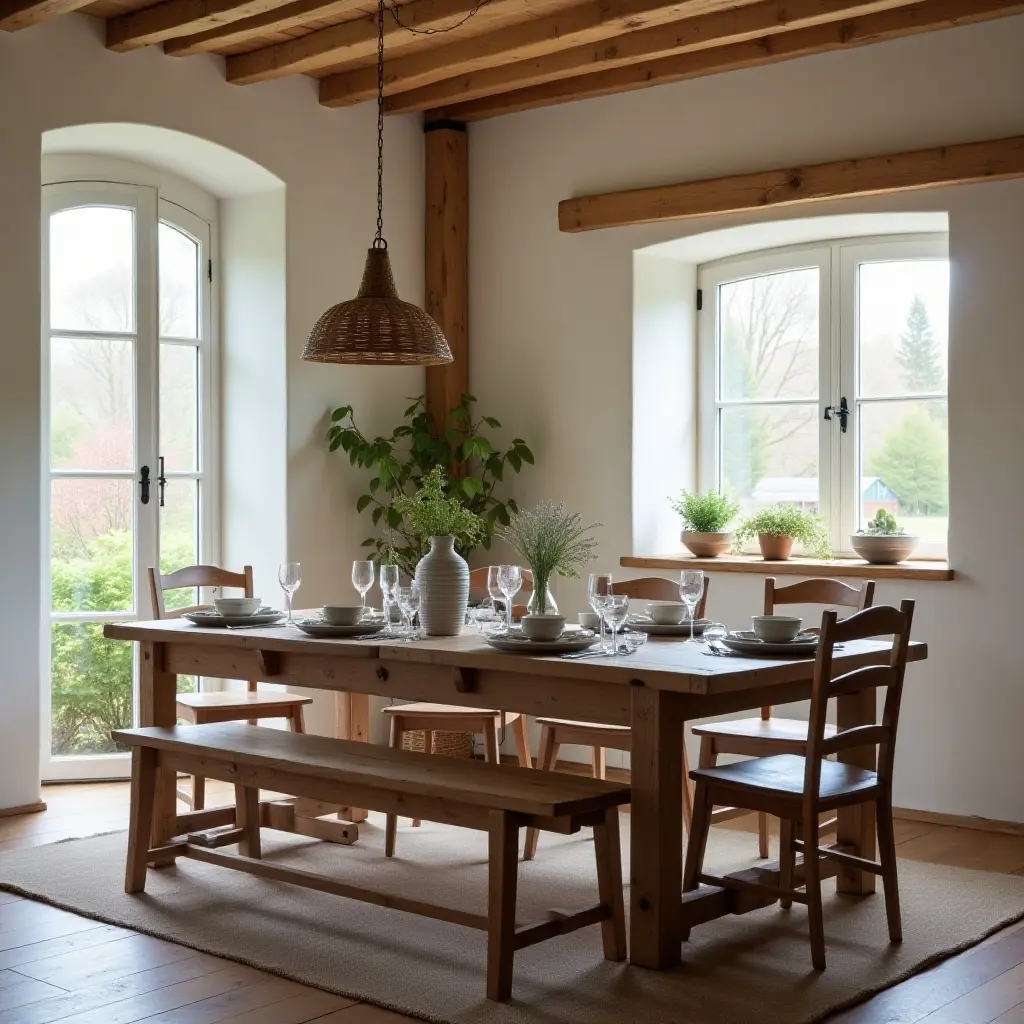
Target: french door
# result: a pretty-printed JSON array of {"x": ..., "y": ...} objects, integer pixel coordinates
[{"x": 127, "y": 370}]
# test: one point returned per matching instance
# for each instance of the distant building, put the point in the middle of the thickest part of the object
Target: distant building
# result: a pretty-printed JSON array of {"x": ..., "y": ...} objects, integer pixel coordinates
[{"x": 802, "y": 493}]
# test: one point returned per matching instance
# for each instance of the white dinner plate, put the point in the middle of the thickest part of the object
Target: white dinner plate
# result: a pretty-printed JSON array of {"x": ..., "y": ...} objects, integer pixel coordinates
[
  {"x": 743, "y": 641},
  {"x": 645, "y": 625},
  {"x": 577, "y": 640},
  {"x": 264, "y": 617},
  {"x": 317, "y": 627}
]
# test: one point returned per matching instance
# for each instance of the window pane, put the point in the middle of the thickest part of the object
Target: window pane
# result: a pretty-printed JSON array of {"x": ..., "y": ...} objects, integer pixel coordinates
[
  {"x": 91, "y": 544},
  {"x": 91, "y": 689},
  {"x": 770, "y": 454},
  {"x": 769, "y": 336},
  {"x": 179, "y": 535},
  {"x": 179, "y": 406},
  {"x": 179, "y": 284},
  {"x": 903, "y": 327},
  {"x": 92, "y": 256},
  {"x": 91, "y": 403},
  {"x": 904, "y": 465}
]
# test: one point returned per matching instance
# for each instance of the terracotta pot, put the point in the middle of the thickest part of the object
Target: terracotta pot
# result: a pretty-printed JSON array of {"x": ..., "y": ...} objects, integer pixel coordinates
[
  {"x": 883, "y": 550},
  {"x": 707, "y": 545},
  {"x": 775, "y": 549}
]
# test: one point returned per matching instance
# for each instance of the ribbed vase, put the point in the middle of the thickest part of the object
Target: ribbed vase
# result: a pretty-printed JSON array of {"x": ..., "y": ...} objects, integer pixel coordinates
[{"x": 443, "y": 578}]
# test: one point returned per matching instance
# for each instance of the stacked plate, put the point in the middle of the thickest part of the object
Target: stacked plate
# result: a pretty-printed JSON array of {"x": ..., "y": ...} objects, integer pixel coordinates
[
  {"x": 643, "y": 624},
  {"x": 325, "y": 630},
  {"x": 515, "y": 642},
  {"x": 264, "y": 617},
  {"x": 743, "y": 641}
]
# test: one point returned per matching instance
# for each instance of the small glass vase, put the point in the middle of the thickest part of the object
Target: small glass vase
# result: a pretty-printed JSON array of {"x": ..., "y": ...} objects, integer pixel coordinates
[{"x": 534, "y": 601}]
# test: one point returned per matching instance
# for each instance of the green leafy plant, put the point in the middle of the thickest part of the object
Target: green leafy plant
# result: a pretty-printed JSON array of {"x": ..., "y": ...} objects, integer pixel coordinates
[
  {"x": 430, "y": 513},
  {"x": 398, "y": 463},
  {"x": 883, "y": 525},
  {"x": 551, "y": 541},
  {"x": 785, "y": 521},
  {"x": 705, "y": 513}
]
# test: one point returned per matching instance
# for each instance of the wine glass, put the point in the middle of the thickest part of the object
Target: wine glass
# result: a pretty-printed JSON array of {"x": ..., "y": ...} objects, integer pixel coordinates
[
  {"x": 389, "y": 581},
  {"x": 599, "y": 586},
  {"x": 409, "y": 605},
  {"x": 691, "y": 589},
  {"x": 362, "y": 580},
  {"x": 510, "y": 582},
  {"x": 289, "y": 575},
  {"x": 616, "y": 608},
  {"x": 493, "y": 589}
]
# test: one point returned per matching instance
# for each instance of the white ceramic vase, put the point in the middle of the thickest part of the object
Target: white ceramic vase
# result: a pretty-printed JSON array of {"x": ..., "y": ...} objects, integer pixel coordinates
[{"x": 443, "y": 578}]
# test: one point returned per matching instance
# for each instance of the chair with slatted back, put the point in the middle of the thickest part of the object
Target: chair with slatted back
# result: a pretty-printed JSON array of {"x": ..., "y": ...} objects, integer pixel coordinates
[
  {"x": 433, "y": 718},
  {"x": 225, "y": 705},
  {"x": 556, "y": 731},
  {"x": 758, "y": 737},
  {"x": 798, "y": 788}
]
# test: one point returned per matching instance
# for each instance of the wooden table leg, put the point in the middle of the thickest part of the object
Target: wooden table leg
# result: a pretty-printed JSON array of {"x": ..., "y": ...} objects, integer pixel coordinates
[
  {"x": 157, "y": 699},
  {"x": 856, "y": 825},
  {"x": 656, "y": 869},
  {"x": 352, "y": 722}
]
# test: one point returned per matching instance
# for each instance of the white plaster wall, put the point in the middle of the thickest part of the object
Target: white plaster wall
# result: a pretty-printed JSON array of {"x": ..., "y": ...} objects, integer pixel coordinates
[
  {"x": 552, "y": 319},
  {"x": 60, "y": 74}
]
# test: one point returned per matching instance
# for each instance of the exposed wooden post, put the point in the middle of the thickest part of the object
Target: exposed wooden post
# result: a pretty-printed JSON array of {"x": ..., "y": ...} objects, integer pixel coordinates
[{"x": 447, "y": 259}]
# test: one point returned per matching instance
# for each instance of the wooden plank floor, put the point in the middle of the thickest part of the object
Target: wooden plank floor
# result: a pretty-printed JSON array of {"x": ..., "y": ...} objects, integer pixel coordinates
[{"x": 55, "y": 966}]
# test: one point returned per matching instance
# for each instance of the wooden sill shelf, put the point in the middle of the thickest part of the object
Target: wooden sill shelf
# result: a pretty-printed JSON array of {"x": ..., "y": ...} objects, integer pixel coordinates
[{"x": 793, "y": 567}]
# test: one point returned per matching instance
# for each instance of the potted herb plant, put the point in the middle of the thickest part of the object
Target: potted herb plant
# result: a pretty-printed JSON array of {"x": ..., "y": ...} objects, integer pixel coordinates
[
  {"x": 778, "y": 526},
  {"x": 442, "y": 574},
  {"x": 883, "y": 541},
  {"x": 552, "y": 542},
  {"x": 705, "y": 518}
]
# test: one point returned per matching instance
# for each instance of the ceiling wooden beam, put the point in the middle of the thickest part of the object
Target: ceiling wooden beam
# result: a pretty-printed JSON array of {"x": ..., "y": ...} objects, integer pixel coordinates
[
  {"x": 18, "y": 14},
  {"x": 292, "y": 15},
  {"x": 926, "y": 16},
  {"x": 842, "y": 179},
  {"x": 177, "y": 17},
  {"x": 709, "y": 30},
  {"x": 339, "y": 43},
  {"x": 533, "y": 37}
]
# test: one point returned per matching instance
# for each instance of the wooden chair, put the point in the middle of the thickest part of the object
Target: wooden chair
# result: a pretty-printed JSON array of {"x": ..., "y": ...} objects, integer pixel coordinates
[
  {"x": 478, "y": 581},
  {"x": 556, "y": 731},
  {"x": 223, "y": 706},
  {"x": 759, "y": 737},
  {"x": 799, "y": 788}
]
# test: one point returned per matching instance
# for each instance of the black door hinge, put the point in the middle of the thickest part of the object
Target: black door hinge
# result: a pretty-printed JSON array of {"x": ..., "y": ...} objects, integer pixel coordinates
[{"x": 700, "y": 299}]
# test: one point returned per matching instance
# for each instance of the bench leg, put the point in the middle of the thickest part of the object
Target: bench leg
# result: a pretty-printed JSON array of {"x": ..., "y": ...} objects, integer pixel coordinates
[
  {"x": 140, "y": 822},
  {"x": 503, "y": 871},
  {"x": 391, "y": 823},
  {"x": 247, "y": 818},
  {"x": 609, "y": 884},
  {"x": 546, "y": 758},
  {"x": 198, "y": 792}
]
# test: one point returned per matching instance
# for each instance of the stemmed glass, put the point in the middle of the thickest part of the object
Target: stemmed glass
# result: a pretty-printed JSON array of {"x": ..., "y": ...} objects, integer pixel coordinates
[
  {"x": 599, "y": 586},
  {"x": 510, "y": 582},
  {"x": 616, "y": 609},
  {"x": 389, "y": 581},
  {"x": 362, "y": 580},
  {"x": 691, "y": 589},
  {"x": 289, "y": 575},
  {"x": 409, "y": 605},
  {"x": 493, "y": 588}
]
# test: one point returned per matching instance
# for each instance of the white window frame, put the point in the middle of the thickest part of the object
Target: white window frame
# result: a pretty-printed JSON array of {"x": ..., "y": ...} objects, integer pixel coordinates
[
  {"x": 71, "y": 182},
  {"x": 838, "y": 458}
]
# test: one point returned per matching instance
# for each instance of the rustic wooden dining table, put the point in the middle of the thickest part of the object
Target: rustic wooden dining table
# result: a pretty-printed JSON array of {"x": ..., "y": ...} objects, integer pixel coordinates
[{"x": 655, "y": 691}]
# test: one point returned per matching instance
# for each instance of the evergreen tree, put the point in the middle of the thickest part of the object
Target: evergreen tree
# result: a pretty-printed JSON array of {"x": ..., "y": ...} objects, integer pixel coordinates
[
  {"x": 918, "y": 353},
  {"x": 911, "y": 461}
]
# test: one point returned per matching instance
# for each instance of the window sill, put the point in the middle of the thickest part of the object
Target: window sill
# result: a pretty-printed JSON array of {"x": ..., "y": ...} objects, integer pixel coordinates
[{"x": 918, "y": 570}]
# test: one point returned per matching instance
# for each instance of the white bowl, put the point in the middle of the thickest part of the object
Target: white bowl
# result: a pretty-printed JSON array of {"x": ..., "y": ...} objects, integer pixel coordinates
[
  {"x": 238, "y": 605},
  {"x": 667, "y": 613},
  {"x": 589, "y": 620},
  {"x": 542, "y": 627},
  {"x": 341, "y": 614},
  {"x": 776, "y": 629}
]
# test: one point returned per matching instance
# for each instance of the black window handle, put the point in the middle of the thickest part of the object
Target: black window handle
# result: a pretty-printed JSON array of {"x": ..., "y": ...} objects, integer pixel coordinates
[
  {"x": 161, "y": 480},
  {"x": 144, "y": 485},
  {"x": 843, "y": 413}
]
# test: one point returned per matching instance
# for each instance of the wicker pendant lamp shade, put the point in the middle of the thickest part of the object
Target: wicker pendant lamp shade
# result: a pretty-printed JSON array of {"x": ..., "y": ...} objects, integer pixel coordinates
[{"x": 377, "y": 327}]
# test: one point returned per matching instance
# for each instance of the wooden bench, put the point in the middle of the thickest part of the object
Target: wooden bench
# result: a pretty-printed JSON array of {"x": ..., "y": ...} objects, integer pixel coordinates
[{"x": 497, "y": 799}]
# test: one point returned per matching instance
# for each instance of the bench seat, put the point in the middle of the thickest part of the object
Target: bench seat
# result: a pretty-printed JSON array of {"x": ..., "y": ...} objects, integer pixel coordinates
[{"x": 498, "y": 799}]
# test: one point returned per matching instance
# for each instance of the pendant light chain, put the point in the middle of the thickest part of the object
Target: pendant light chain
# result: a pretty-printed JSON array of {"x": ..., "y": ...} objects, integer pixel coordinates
[
  {"x": 434, "y": 31},
  {"x": 379, "y": 241}
]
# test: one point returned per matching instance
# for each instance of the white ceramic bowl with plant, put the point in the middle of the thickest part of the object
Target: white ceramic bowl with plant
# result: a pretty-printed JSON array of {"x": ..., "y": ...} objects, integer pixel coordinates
[
  {"x": 883, "y": 541},
  {"x": 705, "y": 518}
]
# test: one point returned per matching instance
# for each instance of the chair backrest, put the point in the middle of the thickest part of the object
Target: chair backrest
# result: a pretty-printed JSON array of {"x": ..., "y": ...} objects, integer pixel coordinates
[
  {"x": 881, "y": 621},
  {"x": 194, "y": 576},
  {"x": 818, "y": 591},
  {"x": 657, "y": 588}
]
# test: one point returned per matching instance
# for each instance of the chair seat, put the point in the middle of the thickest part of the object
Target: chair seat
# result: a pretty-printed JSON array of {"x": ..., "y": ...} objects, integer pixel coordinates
[
  {"x": 572, "y": 724},
  {"x": 426, "y": 710},
  {"x": 783, "y": 775},
  {"x": 782, "y": 730},
  {"x": 224, "y": 699}
]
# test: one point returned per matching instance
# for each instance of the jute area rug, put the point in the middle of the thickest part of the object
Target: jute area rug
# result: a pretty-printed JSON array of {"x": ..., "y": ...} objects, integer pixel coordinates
[{"x": 735, "y": 971}]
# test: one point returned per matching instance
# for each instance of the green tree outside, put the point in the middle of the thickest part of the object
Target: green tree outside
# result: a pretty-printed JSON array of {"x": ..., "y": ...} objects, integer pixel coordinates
[
  {"x": 912, "y": 461},
  {"x": 918, "y": 353}
]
